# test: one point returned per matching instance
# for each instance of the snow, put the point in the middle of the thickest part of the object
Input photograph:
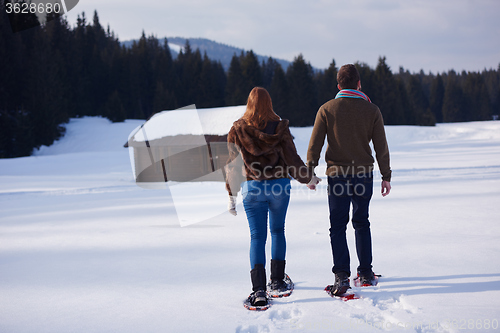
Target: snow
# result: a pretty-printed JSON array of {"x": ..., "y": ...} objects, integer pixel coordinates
[
  {"x": 175, "y": 47},
  {"x": 189, "y": 120},
  {"x": 83, "y": 249}
]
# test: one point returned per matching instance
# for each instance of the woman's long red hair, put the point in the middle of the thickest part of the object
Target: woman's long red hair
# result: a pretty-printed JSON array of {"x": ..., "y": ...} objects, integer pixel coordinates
[{"x": 259, "y": 108}]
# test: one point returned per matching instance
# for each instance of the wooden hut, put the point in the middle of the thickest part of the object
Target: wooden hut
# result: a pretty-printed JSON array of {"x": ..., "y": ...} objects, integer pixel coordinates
[{"x": 185, "y": 145}]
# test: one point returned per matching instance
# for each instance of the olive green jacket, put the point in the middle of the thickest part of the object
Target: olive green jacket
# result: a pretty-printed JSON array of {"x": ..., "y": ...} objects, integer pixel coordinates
[{"x": 349, "y": 124}]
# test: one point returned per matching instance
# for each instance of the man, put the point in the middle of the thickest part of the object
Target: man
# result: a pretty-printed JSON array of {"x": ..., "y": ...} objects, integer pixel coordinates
[{"x": 350, "y": 122}]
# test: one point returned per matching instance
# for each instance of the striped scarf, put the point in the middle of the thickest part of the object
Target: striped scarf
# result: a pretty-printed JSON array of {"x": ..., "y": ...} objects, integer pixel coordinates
[{"x": 351, "y": 93}]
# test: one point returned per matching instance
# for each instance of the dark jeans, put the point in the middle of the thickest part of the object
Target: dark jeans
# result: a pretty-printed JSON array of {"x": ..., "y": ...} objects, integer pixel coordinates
[
  {"x": 259, "y": 199},
  {"x": 342, "y": 191}
]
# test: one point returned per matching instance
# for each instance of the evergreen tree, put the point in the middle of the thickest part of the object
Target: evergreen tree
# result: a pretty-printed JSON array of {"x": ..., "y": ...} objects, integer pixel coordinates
[
  {"x": 368, "y": 83},
  {"x": 13, "y": 61},
  {"x": 60, "y": 50},
  {"x": 386, "y": 95},
  {"x": 164, "y": 99},
  {"x": 212, "y": 84},
  {"x": 267, "y": 69},
  {"x": 280, "y": 92},
  {"x": 114, "y": 109},
  {"x": 143, "y": 59},
  {"x": 118, "y": 74},
  {"x": 327, "y": 83},
  {"x": 16, "y": 137},
  {"x": 45, "y": 103},
  {"x": 421, "y": 113},
  {"x": 53, "y": 72},
  {"x": 236, "y": 87},
  {"x": 251, "y": 71},
  {"x": 82, "y": 54},
  {"x": 274, "y": 80},
  {"x": 101, "y": 87},
  {"x": 496, "y": 106},
  {"x": 492, "y": 81},
  {"x": 303, "y": 104},
  {"x": 189, "y": 66},
  {"x": 453, "y": 100},
  {"x": 7, "y": 135},
  {"x": 477, "y": 101},
  {"x": 496, "y": 100},
  {"x": 407, "y": 107},
  {"x": 121, "y": 74},
  {"x": 496, "y": 96},
  {"x": 436, "y": 99},
  {"x": 404, "y": 76},
  {"x": 165, "y": 78}
]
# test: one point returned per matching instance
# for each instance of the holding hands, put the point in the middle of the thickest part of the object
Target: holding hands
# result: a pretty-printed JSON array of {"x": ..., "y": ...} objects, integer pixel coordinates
[{"x": 314, "y": 181}]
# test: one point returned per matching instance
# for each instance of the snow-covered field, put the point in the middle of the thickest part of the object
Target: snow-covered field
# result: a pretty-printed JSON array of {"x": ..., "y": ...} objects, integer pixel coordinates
[{"x": 83, "y": 249}]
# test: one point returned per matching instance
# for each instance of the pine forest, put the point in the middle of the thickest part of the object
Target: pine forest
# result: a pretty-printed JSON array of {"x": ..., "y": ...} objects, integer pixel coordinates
[{"x": 54, "y": 72}]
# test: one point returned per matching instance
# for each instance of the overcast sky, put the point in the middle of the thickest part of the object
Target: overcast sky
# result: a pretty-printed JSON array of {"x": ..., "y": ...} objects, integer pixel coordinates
[{"x": 433, "y": 35}]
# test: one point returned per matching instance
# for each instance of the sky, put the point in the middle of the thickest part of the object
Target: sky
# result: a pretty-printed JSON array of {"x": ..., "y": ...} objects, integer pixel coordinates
[{"x": 429, "y": 35}]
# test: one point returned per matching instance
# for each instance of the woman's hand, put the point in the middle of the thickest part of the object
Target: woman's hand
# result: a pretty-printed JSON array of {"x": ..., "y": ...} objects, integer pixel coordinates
[
  {"x": 314, "y": 181},
  {"x": 231, "y": 206}
]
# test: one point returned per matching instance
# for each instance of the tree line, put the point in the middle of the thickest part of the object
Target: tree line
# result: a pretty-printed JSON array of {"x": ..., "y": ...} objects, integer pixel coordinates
[{"x": 55, "y": 72}]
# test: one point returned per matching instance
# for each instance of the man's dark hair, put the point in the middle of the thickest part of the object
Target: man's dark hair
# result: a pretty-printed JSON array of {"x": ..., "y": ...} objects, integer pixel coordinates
[{"x": 348, "y": 77}]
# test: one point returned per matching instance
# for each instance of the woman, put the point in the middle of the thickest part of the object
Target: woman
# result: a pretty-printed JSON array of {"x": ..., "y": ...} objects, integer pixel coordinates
[{"x": 263, "y": 144}]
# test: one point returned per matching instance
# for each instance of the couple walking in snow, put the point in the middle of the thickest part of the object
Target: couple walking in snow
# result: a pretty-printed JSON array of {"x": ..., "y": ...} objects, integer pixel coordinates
[{"x": 263, "y": 144}]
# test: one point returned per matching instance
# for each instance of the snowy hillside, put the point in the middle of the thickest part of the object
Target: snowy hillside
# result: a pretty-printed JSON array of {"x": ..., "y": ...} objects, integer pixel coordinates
[
  {"x": 83, "y": 249},
  {"x": 214, "y": 50}
]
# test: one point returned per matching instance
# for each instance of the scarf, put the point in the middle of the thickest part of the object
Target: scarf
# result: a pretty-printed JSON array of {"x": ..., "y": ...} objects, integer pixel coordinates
[{"x": 351, "y": 93}]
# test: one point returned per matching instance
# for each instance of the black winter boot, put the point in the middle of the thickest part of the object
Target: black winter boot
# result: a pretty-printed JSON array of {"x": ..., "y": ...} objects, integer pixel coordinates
[
  {"x": 277, "y": 270},
  {"x": 280, "y": 285},
  {"x": 366, "y": 279},
  {"x": 258, "y": 276},
  {"x": 258, "y": 300},
  {"x": 341, "y": 284}
]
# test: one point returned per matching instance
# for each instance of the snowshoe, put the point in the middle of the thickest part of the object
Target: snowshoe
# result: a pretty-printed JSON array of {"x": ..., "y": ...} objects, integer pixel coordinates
[
  {"x": 258, "y": 301},
  {"x": 332, "y": 291},
  {"x": 341, "y": 284},
  {"x": 369, "y": 280},
  {"x": 281, "y": 288},
  {"x": 340, "y": 287}
]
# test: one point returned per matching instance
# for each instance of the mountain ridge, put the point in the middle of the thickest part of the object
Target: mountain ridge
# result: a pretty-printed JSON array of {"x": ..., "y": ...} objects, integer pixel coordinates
[{"x": 215, "y": 50}]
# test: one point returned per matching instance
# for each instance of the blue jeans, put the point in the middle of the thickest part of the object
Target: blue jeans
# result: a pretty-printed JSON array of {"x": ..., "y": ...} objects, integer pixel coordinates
[
  {"x": 259, "y": 198},
  {"x": 342, "y": 191}
]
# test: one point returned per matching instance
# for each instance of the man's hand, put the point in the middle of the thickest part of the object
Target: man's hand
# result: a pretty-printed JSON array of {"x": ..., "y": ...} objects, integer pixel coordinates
[
  {"x": 386, "y": 188},
  {"x": 314, "y": 181}
]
